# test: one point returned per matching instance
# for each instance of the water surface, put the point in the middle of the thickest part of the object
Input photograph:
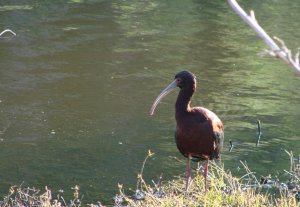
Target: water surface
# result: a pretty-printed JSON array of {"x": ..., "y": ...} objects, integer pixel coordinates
[{"x": 78, "y": 80}]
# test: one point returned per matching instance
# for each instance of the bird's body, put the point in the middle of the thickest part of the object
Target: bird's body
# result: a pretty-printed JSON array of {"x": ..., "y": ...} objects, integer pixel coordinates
[{"x": 199, "y": 132}]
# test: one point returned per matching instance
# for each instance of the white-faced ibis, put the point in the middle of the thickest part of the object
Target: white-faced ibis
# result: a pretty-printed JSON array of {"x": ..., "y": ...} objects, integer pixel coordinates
[{"x": 199, "y": 132}]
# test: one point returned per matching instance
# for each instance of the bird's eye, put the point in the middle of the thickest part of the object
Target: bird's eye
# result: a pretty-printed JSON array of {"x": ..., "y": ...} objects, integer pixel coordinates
[{"x": 178, "y": 80}]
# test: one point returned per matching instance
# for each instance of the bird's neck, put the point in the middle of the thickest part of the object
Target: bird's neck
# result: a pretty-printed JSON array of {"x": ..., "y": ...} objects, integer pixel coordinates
[{"x": 182, "y": 105}]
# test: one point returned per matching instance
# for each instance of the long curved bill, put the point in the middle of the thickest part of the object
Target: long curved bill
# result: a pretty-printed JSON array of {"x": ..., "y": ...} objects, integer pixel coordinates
[{"x": 167, "y": 90}]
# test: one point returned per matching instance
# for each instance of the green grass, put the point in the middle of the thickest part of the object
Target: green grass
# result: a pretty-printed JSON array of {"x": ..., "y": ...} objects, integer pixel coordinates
[{"x": 225, "y": 190}]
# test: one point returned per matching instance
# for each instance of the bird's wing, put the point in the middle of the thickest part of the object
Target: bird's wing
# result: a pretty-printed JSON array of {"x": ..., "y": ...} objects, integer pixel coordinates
[
  {"x": 203, "y": 115},
  {"x": 200, "y": 114}
]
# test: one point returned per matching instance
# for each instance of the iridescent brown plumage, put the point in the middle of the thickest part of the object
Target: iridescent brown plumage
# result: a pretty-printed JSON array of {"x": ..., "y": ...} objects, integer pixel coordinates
[{"x": 199, "y": 132}]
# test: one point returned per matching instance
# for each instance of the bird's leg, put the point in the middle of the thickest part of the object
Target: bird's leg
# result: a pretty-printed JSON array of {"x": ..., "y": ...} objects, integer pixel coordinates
[
  {"x": 205, "y": 173},
  {"x": 188, "y": 172}
]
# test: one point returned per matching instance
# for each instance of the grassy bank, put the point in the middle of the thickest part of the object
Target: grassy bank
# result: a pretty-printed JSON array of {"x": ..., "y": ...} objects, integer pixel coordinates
[{"x": 224, "y": 190}]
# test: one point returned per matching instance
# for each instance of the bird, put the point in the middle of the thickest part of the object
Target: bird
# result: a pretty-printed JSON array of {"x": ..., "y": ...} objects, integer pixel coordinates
[{"x": 199, "y": 133}]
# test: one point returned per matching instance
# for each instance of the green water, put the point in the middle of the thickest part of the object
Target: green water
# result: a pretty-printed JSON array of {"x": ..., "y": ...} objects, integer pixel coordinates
[{"x": 78, "y": 80}]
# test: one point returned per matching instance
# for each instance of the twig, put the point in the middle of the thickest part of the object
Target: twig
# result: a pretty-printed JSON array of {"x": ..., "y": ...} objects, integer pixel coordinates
[
  {"x": 281, "y": 52},
  {"x": 292, "y": 174},
  {"x": 249, "y": 172},
  {"x": 231, "y": 146},
  {"x": 291, "y": 159},
  {"x": 258, "y": 132},
  {"x": 140, "y": 176},
  {"x": 175, "y": 158}
]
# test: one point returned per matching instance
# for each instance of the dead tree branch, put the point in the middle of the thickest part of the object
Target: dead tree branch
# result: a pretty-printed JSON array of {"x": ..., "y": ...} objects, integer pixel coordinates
[{"x": 281, "y": 52}]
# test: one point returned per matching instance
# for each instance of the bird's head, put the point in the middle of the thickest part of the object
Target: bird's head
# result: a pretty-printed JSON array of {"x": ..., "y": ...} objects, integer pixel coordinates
[{"x": 183, "y": 80}]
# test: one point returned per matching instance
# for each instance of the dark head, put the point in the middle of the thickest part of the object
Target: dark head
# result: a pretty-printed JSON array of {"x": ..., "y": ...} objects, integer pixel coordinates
[{"x": 183, "y": 80}]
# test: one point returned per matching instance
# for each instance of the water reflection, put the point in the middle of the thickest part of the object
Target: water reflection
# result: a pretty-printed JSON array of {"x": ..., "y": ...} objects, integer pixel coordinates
[{"x": 78, "y": 80}]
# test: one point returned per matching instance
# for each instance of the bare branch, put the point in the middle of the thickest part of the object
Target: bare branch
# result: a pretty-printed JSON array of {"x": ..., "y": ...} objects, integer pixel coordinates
[
  {"x": 297, "y": 57},
  {"x": 253, "y": 16},
  {"x": 281, "y": 52}
]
